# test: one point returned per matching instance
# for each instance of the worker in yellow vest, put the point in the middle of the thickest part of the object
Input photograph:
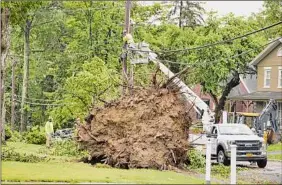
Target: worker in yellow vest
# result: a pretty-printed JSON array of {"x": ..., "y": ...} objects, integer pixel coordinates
[{"x": 49, "y": 131}]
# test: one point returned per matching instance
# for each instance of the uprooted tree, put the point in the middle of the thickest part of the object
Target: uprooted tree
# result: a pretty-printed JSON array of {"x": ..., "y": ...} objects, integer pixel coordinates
[{"x": 148, "y": 129}]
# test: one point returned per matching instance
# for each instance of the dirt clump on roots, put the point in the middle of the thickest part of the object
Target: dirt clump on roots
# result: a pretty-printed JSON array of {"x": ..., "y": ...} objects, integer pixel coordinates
[{"x": 148, "y": 129}]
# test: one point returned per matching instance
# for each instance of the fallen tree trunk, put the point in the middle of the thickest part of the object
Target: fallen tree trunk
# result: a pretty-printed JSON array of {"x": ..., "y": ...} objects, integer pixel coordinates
[{"x": 145, "y": 130}]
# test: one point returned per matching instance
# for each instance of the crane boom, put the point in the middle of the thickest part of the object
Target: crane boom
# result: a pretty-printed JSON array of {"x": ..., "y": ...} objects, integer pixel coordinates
[{"x": 199, "y": 105}]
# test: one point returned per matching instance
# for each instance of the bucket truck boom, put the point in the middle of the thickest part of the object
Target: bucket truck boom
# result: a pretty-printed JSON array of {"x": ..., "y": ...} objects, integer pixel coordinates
[{"x": 199, "y": 105}]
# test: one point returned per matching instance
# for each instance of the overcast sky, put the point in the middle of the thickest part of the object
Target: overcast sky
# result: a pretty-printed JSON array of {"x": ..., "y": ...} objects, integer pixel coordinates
[
  {"x": 240, "y": 8},
  {"x": 244, "y": 8}
]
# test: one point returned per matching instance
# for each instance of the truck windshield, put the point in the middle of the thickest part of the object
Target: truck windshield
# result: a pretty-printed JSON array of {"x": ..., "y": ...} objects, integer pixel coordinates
[{"x": 235, "y": 129}]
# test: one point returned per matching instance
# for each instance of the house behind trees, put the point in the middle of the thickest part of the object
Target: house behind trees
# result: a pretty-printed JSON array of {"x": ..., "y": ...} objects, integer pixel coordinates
[{"x": 268, "y": 83}]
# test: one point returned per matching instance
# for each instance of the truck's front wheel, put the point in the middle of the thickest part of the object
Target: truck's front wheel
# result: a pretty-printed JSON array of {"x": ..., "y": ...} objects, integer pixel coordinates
[
  {"x": 262, "y": 163},
  {"x": 221, "y": 158}
]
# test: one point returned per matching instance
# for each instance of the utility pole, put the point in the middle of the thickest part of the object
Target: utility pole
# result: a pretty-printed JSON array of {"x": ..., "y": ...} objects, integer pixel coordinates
[
  {"x": 125, "y": 45},
  {"x": 1, "y": 70},
  {"x": 90, "y": 26},
  {"x": 13, "y": 95}
]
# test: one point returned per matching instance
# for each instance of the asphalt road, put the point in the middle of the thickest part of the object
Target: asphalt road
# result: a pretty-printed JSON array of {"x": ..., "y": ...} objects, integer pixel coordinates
[{"x": 272, "y": 173}]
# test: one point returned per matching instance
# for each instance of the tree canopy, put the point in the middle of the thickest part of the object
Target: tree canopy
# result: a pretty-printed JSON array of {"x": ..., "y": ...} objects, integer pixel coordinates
[{"x": 75, "y": 48}]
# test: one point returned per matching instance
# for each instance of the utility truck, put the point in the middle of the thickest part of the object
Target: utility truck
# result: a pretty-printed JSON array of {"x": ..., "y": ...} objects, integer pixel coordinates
[{"x": 250, "y": 146}]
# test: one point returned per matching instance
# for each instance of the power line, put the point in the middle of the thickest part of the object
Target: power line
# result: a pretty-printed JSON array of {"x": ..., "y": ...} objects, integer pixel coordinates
[
  {"x": 223, "y": 41},
  {"x": 232, "y": 57}
]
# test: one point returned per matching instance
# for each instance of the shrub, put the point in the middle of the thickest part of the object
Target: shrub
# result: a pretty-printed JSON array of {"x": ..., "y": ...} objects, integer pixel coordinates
[
  {"x": 66, "y": 148},
  {"x": 8, "y": 132},
  {"x": 9, "y": 154},
  {"x": 36, "y": 136},
  {"x": 221, "y": 170},
  {"x": 16, "y": 137},
  {"x": 196, "y": 160}
]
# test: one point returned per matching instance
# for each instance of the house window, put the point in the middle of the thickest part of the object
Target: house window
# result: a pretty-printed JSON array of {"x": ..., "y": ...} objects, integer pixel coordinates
[
  {"x": 279, "y": 52},
  {"x": 267, "y": 74},
  {"x": 280, "y": 77}
]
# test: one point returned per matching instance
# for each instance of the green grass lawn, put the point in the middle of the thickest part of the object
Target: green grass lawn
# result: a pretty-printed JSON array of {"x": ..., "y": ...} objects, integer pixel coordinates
[
  {"x": 26, "y": 148},
  {"x": 275, "y": 147},
  {"x": 80, "y": 172},
  {"x": 275, "y": 157},
  {"x": 59, "y": 170},
  {"x": 38, "y": 150}
]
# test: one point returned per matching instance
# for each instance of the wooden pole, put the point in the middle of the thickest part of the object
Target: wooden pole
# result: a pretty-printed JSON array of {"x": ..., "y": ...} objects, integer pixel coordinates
[
  {"x": 1, "y": 70},
  {"x": 131, "y": 78},
  {"x": 126, "y": 31}
]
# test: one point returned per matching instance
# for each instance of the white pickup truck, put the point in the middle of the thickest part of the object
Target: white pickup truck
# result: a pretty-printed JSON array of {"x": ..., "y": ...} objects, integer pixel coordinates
[{"x": 250, "y": 147}]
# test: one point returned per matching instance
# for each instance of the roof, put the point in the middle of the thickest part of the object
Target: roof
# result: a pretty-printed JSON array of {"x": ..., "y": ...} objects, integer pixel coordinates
[
  {"x": 248, "y": 84},
  {"x": 265, "y": 52},
  {"x": 258, "y": 95}
]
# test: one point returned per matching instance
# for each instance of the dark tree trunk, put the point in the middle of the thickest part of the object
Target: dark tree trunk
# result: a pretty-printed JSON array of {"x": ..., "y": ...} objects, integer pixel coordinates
[
  {"x": 5, "y": 46},
  {"x": 221, "y": 102}
]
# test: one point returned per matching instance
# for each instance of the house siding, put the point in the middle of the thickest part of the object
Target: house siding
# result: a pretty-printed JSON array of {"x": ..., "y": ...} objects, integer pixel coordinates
[{"x": 273, "y": 61}]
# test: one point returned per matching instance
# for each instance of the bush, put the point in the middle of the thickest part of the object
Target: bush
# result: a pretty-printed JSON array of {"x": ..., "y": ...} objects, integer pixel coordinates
[
  {"x": 36, "y": 136},
  {"x": 13, "y": 136},
  {"x": 66, "y": 148},
  {"x": 8, "y": 132},
  {"x": 221, "y": 170},
  {"x": 196, "y": 160},
  {"x": 9, "y": 154},
  {"x": 16, "y": 137}
]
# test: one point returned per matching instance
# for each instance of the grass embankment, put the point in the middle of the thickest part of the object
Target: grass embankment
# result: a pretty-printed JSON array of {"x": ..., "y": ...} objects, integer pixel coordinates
[
  {"x": 79, "y": 172},
  {"x": 275, "y": 147},
  {"x": 57, "y": 170},
  {"x": 277, "y": 157},
  {"x": 37, "y": 150},
  {"x": 26, "y": 148}
]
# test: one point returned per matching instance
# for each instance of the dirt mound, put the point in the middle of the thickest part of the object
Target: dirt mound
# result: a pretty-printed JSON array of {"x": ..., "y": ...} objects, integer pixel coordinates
[{"x": 148, "y": 129}]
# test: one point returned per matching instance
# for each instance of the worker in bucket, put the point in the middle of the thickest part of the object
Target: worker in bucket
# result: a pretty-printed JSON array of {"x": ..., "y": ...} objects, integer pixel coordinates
[{"x": 49, "y": 131}]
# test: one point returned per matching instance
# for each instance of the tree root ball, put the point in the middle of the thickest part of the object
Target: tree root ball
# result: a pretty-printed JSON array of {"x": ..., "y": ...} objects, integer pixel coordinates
[{"x": 148, "y": 129}]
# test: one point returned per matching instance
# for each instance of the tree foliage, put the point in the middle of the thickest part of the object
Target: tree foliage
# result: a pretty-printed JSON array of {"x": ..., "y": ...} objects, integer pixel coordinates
[
  {"x": 188, "y": 13},
  {"x": 75, "y": 47}
]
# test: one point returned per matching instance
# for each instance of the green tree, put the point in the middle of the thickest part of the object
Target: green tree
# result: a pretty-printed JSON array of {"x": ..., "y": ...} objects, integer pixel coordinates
[
  {"x": 188, "y": 13},
  {"x": 93, "y": 84},
  {"x": 224, "y": 62}
]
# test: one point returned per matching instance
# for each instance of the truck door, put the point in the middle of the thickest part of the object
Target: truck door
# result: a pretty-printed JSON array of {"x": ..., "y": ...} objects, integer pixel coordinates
[{"x": 213, "y": 139}]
